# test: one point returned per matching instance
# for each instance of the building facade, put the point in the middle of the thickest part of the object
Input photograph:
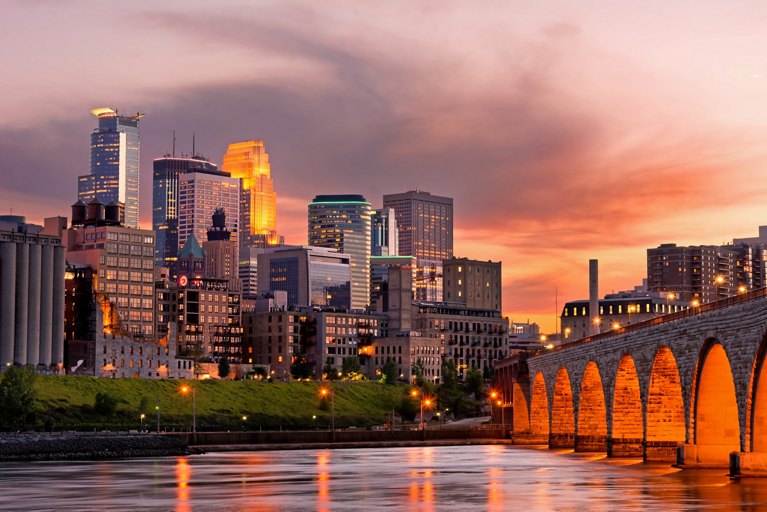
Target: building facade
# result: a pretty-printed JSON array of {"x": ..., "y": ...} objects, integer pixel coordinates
[
  {"x": 383, "y": 232},
  {"x": 380, "y": 269},
  {"x": 248, "y": 161},
  {"x": 31, "y": 300},
  {"x": 114, "y": 163},
  {"x": 425, "y": 227},
  {"x": 342, "y": 222},
  {"x": 166, "y": 172},
  {"x": 705, "y": 272},
  {"x": 311, "y": 276},
  {"x": 477, "y": 284},
  {"x": 407, "y": 351},
  {"x": 200, "y": 194}
]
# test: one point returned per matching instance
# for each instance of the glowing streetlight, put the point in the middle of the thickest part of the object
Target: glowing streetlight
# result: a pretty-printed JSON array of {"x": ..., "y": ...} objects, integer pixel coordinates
[
  {"x": 184, "y": 390},
  {"x": 742, "y": 289},
  {"x": 141, "y": 418},
  {"x": 719, "y": 280},
  {"x": 425, "y": 402},
  {"x": 567, "y": 332},
  {"x": 324, "y": 393},
  {"x": 616, "y": 326},
  {"x": 695, "y": 303}
]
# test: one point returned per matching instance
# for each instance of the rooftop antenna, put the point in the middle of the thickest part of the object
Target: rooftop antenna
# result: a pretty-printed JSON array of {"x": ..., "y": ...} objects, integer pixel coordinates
[
  {"x": 192, "y": 144},
  {"x": 174, "y": 142}
]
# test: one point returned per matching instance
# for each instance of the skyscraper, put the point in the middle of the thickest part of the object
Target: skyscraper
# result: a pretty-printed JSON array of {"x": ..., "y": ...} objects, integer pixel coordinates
[
  {"x": 384, "y": 235},
  {"x": 200, "y": 194},
  {"x": 425, "y": 224},
  {"x": 114, "y": 164},
  {"x": 342, "y": 222},
  {"x": 165, "y": 204},
  {"x": 249, "y": 162}
]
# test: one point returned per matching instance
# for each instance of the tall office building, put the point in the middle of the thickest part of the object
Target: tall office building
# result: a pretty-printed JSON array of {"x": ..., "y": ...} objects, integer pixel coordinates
[
  {"x": 200, "y": 194},
  {"x": 384, "y": 235},
  {"x": 165, "y": 205},
  {"x": 311, "y": 276},
  {"x": 425, "y": 225},
  {"x": 221, "y": 252},
  {"x": 342, "y": 222},
  {"x": 114, "y": 164},
  {"x": 249, "y": 162}
]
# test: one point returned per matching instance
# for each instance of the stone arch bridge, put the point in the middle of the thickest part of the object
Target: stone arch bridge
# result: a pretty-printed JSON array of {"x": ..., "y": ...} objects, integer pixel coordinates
[{"x": 684, "y": 387}]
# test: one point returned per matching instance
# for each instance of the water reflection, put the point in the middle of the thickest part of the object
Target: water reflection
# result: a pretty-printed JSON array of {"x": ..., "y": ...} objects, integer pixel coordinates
[{"x": 422, "y": 479}]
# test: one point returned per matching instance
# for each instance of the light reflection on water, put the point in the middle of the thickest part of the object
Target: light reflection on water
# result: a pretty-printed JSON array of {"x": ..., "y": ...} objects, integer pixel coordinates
[{"x": 425, "y": 479}]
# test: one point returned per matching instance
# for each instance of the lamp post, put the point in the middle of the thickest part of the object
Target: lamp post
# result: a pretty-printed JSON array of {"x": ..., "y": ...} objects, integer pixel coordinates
[
  {"x": 157, "y": 408},
  {"x": 142, "y": 420},
  {"x": 185, "y": 391},
  {"x": 425, "y": 402}
]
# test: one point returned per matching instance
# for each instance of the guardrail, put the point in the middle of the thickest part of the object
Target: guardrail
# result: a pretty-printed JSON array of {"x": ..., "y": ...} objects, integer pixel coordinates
[{"x": 658, "y": 320}]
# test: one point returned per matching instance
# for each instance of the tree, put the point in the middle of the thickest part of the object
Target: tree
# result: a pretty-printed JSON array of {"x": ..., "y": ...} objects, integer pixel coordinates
[
  {"x": 223, "y": 368},
  {"x": 144, "y": 406},
  {"x": 389, "y": 372},
  {"x": 418, "y": 371},
  {"x": 408, "y": 406},
  {"x": 475, "y": 384},
  {"x": 450, "y": 393},
  {"x": 329, "y": 371},
  {"x": 18, "y": 398},
  {"x": 351, "y": 366},
  {"x": 302, "y": 368},
  {"x": 105, "y": 403}
]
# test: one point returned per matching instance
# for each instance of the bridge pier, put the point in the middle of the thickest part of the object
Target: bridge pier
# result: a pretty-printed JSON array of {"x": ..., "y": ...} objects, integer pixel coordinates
[
  {"x": 625, "y": 447},
  {"x": 660, "y": 451},
  {"x": 590, "y": 443},
  {"x": 561, "y": 441},
  {"x": 748, "y": 464},
  {"x": 704, "y": 455}
]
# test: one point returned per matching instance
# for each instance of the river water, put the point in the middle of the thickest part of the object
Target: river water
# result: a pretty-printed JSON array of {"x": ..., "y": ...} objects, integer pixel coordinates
[{"x": 494, "y": 477}]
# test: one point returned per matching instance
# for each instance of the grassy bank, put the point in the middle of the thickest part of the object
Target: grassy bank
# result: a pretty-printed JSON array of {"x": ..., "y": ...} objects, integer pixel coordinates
[{"x": 68, "y": 403}]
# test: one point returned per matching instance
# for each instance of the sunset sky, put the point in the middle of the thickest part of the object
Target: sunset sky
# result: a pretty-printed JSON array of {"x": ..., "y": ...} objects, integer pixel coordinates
[{"x": 563, "y": 130}]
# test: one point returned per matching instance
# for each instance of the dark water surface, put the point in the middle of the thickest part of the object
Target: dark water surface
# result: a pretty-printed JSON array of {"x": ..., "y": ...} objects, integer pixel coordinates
[{"x": 428, "y": 478}]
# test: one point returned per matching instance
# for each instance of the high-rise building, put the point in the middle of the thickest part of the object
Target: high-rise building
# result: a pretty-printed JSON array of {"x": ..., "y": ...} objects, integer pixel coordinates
[
  {"x": 342, "y": 222},
  {"x": 380, "y": 269},
  {"x": 311, "y": 276},
  {"x": 425, "y": 226},
  {"x": 165, "y": 201},
  {"x": 221, "y": 252},
  {"x": 384, "y": 237},
  {"x": 122, "y": 259},
  {"x": 200, "y": 194},
  {"x": 248, "y": 161},
  {"x": 114, "y": 163},
  {"x": 477, "y": 284}
]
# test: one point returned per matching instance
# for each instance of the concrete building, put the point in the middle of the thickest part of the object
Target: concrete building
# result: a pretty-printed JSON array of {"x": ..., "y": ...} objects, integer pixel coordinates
[
  {"x": 425, "y": 230},
  {"x": 166, "y": 173},
  {"x": 380, "y": 268},
  {"x": 342, "y": 222},
  {"x": 311, "y": 276},
  {"x": 706, "y": 272},
  {"x": 406, "y": 350},
  {"x": 200, "y": 194},
  {"x": 248, "y": 162},
  {"x": 114, "y": 163},
  {"x": 31, "y": 299},
  {"x": 122, "y": 259},
  {"x": 221, "y": 252},
  {"x": 477, "y": 284}
]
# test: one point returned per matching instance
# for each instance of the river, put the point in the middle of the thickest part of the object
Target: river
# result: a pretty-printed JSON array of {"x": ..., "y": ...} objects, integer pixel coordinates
[{"x": 493, "y": 477}]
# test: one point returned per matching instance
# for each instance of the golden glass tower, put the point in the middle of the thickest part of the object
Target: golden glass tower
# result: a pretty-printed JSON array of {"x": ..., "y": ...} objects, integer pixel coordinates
[{"x": 249, "y": 162}]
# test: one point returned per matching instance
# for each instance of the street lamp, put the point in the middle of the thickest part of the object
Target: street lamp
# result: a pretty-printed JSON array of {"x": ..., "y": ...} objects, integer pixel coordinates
[
  {"x": 324, "y": 392},
  {"x": 742, "y": 289},
  {"x": 695, "y": 303},
  {"x": 185, "y": 391},
  {"x": 142, "y": 420},
  {"x": 425, "y": 402}
]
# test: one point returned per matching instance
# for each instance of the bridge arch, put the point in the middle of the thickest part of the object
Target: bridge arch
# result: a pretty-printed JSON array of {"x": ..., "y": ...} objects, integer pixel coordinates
[
  {"x": 665, "y": 418},
  {"x": 627, "y": 430},
  {"x": 592, "y": 412},
  {"x": 715, "y": 422},
  {"x": 757, "y": 415},
  {"x": 562, "y": 433},
  {"x": 539, "y": 408}
]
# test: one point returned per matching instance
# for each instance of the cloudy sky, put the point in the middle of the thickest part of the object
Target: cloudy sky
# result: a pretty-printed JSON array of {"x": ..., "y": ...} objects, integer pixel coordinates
[{"x": 564, "y": 130}]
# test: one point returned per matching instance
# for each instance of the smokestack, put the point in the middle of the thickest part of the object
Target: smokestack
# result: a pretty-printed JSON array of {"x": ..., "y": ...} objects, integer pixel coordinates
[{"x": 594, "y": 296}]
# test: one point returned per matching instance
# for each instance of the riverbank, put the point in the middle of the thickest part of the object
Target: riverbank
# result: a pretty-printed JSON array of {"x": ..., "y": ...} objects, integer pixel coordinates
[
  {"x": 38, "y": 447},
  {"x": 347, "y": 445}
]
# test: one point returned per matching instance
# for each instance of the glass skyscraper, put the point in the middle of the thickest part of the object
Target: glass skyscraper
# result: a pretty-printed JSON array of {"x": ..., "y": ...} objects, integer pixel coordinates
[
  {"x": 342, "y": 222},
  {"x": 114, "y": 163},
  {"x": 249, "y": 162},
  {"x": 165, "y": 203}
]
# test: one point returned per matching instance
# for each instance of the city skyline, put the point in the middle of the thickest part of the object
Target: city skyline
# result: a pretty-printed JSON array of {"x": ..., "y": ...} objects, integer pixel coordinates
[{"x": 567, "y": 135}]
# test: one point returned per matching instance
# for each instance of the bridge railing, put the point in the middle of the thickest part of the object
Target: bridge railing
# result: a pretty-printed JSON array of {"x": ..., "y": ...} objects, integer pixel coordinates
[{"x": 672, "y": 317}]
